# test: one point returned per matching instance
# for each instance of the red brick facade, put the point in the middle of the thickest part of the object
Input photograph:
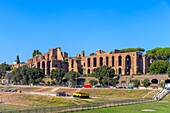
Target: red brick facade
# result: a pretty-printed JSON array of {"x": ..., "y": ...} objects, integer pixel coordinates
[{"x": 123, "y": 63}]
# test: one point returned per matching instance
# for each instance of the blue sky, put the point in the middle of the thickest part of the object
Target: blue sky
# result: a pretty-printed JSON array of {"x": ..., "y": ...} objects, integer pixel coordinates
[{"x": 77, "y": 25}]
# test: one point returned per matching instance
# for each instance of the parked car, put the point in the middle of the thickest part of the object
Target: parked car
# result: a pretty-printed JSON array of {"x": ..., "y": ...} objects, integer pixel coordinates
[
  {"x": 77, "y": 86},
  {"x": 61, "y": 94},
  {"x": 80, "y": 95},
  {"x": 129, "y": 87},
  {"x": 98, "y": 86}
]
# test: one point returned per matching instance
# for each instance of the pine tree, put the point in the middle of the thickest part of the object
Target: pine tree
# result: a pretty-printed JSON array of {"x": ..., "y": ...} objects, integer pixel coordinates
[{"x": 18, "y": 60}]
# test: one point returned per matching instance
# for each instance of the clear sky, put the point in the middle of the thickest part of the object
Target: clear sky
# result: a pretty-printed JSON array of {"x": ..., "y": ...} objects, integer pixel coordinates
[{"x": 77, "y": 25}]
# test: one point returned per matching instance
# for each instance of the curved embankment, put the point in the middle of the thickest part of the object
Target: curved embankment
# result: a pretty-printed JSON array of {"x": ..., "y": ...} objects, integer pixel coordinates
[
  {"x": 108, "y": 92},
  {"x": 94, "y": 92}
]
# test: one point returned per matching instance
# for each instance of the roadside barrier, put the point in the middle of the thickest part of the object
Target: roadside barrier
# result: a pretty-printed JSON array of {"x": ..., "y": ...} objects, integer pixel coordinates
[{"x": 74, "y": 108}]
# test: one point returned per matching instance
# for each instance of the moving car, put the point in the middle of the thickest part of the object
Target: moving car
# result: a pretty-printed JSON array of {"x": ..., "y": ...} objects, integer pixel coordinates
[{"x": 80, "y": 95}]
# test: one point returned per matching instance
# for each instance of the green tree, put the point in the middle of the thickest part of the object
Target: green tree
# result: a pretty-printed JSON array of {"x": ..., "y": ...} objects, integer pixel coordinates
[
  {"x": 35, "y": 75},
  {"x": 16, "y": 75},
  {"x": 136, "y": 83},
  {"x": 58, "y": 75},
  {"x": 168, "y": 71},
  {"x": 104, "y": 74},
  {"x": 146, "y": 83},
  {"x": 159, "y": 53},
  {"x": 25, "y": 75},
  {"x": 133, "y": 50},
  {"x": 71, "y": 77},
  {"x": 18, "y": 60},
  {"x": 92, "y": 54},
  {"x": 159, "y": 67},
  {"x": 93, "y": 82},
  {"x": 48, "y": 82},
  {"x": 53, "y": 82},
  {"x": 3, "y": 68},
  {"x": 36, "y": 52},
  {"x": 93, "y": 74}
]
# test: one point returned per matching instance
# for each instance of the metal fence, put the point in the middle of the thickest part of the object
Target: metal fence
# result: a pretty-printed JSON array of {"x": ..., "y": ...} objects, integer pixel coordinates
[{"x": 74, "y": 108}]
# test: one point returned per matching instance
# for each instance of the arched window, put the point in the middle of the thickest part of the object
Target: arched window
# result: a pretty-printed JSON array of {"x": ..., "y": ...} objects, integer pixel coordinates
[
  {"x": 88, "y": 71},
  {"x": 107, "y": 61},
  {"x": 113, "y": 61},
  {"x": 128, "y": 60},
  {"x": 72, "y": 63},
  {"x": 43, "y": 66},
  {"x": 101, "y": 61},
  {"x": 120, "y": 71},
  {"x": 88, "y": 62},
  {"x": 48, "y": 67},
  {"x": 38, "y": 65},
  {"x": 94, "y": 62},
  {"x": 128, "y": 64},
  {"x": 154, "y": 81},
  {"x": 119, "y": 61},
  {"x": 94, "y": 70}
]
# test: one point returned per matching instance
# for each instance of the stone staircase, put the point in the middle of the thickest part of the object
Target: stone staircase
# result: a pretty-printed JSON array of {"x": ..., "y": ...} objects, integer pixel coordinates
[{"x": 160, "y": 95}]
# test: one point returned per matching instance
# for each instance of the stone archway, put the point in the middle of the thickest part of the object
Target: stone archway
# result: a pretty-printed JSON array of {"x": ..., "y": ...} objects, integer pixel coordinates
[
  {"x": 154, "y": 81},
  {"x": 43, "y": 66},
  {"x": 94, "y": 62},
  {"x": 101, "y": 61},
  {"x": 88, "y": 62},
  {"x": 167, "y": 81},
  {"x": 48, "y": 67},
  {"x": 167, "y": 84},
  {"x": 120, "y": 61},
  {"x": 88, "y": 71},
  {"x": 113, "y": 61},
  {"x": 107, "y": 61},
  {"x": 38, "y": 65},
  {"x": 120, "y": 71},
  {"x": 72, "y": 63},
  {"x": 128, "y": 64}
]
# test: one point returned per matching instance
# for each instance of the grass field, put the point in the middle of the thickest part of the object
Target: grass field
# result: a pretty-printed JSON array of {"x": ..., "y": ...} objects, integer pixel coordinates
[
  {"x": 14, "y": 101},
  {"x": 155, "y": 107}
]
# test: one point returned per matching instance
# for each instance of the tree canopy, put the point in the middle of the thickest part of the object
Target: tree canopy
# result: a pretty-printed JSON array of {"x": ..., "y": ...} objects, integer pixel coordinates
[
  {"x": 159, "y": 53},
  {"x": 146, "y": 83},
  {"x": 92, "y": 54},
  {"x": 105, "y": 74},
  {"x": 36, "y": 52},
  {"x": 136, "y": 83},
  {"x": 25, "y": 75},
  {"x": 132, "y": 50},
  {"x": 71, "y": 76},
  {"x": 159, "y": 67},
  {"x": 168, "y": 71},
  {"x": 3, "y": 68},
  {"x": 58, "y": 75}
]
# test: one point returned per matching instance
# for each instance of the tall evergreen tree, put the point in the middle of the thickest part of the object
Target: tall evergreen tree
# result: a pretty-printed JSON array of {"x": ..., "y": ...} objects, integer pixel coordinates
[{"x": 18, "y": 60}]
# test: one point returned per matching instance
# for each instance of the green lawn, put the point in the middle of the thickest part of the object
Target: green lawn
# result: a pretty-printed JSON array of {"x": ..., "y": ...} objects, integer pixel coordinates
[{"x": 157, "y": 107}]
